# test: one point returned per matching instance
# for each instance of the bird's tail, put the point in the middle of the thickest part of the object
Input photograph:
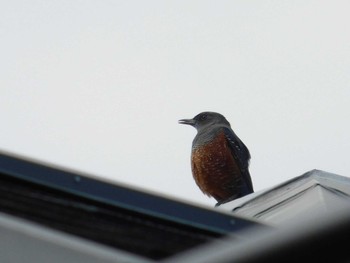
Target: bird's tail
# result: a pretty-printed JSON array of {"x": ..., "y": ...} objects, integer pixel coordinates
[{"x": 246, "y": 185}]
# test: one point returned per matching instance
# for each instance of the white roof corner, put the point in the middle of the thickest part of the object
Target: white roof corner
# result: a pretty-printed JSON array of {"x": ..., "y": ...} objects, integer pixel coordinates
[{"x": 306, "y": 196}]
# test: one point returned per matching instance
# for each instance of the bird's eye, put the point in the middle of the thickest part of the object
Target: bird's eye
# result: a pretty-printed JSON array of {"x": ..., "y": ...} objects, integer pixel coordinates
[{"x": 203, "y": 117}]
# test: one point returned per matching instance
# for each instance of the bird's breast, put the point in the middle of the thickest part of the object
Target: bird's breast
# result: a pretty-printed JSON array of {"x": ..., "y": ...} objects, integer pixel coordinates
[{"x": 214, "y": 168}]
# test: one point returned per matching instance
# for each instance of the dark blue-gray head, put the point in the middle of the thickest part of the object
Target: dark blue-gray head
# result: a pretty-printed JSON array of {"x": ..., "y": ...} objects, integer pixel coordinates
[{"x": 206, "y": 120}]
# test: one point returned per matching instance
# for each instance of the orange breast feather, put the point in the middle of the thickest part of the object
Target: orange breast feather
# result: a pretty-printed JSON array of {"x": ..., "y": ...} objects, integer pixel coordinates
[{"x": 215, "y": 170}]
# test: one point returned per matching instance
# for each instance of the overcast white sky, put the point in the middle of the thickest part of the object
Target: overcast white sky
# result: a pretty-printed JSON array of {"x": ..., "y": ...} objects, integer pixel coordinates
[{"x": 99, "y": 86}]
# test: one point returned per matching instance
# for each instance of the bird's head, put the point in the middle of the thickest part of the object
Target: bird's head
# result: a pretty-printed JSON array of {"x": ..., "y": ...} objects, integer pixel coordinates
[{"x": 206, "y": 119}]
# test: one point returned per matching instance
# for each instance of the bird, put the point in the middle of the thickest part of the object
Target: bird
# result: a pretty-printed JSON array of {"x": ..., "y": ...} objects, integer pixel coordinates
[{"x": 219, "y": 159}]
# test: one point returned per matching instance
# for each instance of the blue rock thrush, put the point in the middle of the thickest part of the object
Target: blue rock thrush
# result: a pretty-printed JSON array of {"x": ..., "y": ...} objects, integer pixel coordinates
[{"x": 219, "y": 159}]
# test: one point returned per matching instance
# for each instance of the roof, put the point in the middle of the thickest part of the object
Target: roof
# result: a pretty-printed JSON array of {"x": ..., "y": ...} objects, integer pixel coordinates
[
  {"x": 51, "y": 212},
  {"x": 311, "y": 194},
  {"x": 126, "y": 220}
]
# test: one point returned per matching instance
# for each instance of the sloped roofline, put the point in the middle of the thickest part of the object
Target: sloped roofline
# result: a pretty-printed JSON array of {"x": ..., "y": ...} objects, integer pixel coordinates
[{"x": 334, "y": 182}]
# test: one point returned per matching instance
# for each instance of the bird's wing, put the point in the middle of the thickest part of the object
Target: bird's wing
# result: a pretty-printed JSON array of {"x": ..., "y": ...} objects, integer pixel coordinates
[{"x": 241, "y": 154}]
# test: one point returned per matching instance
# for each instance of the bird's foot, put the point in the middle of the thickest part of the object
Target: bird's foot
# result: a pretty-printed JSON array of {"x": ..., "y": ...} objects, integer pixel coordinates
[{"x": 226, "y": 200}]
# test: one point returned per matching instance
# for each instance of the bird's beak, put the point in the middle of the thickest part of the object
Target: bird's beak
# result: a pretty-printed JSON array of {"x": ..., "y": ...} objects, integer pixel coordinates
[{"x": 191, "y": 122}]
